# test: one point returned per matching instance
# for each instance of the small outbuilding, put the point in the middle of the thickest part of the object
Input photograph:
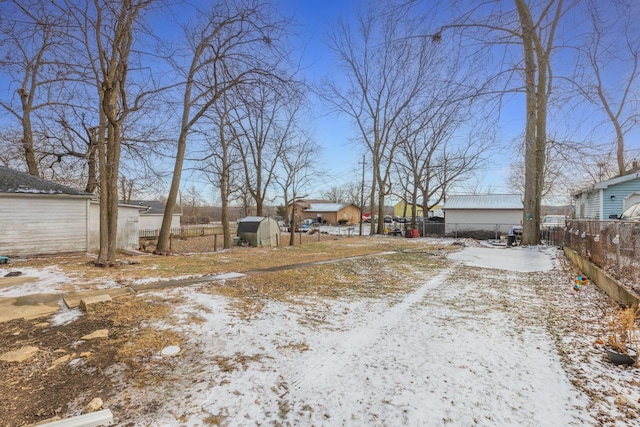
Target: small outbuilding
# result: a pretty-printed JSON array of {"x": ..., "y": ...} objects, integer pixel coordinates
[
  {"x": 39, "y": 217},
  {"x": 495, "y": 213},
  {"x": 259, "y": 231}
]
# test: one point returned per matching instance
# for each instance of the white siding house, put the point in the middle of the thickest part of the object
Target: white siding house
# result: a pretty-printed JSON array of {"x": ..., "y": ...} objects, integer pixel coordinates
[
  {"x": 608, "y": 198},
  {"x": 152, "y": 213},
  {"x": 482, "y": 212},
  {"x": 38, "y": 217}
]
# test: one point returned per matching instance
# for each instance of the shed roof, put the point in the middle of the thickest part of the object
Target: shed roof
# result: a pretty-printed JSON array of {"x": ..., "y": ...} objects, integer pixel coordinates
[
  {"x": 252, "y": 219},
  {"x": 483, "y": 201},
  {"x": 13, "y": 181}
]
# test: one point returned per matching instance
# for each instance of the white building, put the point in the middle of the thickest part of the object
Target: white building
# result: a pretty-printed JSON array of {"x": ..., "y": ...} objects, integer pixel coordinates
[{"x": 482, "y": 212}]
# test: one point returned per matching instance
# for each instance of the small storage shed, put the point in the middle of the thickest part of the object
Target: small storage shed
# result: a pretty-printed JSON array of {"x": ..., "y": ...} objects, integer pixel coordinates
[{"x": 259, "y": 231}]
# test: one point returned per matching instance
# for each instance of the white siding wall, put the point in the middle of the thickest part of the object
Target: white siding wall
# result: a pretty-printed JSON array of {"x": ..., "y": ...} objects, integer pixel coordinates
[
  {"x": 33, "y": 224},
  {"x": 154, "y": 222},
  {"x": 127, "y": 237},
  {"x": 150, "y": 222},
  {"x": 482, "y": 219}
]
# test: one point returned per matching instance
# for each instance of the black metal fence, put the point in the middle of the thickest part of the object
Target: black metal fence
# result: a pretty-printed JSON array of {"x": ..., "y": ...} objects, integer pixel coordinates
[{"x": 613, "y": 246}]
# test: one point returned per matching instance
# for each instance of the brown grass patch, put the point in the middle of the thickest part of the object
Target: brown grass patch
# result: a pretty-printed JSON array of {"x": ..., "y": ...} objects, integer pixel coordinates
[
  {"x": 85, "y": 274},
  {"x": 134, "y": 310},
  {"x": 137, "y": 348},
  {"x": 369, "y": 277}
]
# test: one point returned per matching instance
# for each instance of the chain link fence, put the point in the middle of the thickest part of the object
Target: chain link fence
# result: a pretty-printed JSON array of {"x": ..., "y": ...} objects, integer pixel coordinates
[{"x": 614, "y": 246}]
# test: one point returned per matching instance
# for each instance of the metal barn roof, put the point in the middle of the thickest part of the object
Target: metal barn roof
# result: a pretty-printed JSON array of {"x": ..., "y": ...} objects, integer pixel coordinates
[{"x": 483, "y": 201}]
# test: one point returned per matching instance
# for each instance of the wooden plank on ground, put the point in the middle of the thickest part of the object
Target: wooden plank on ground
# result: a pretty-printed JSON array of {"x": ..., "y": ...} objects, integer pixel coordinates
[
  {"x": 15, "y": 281},
  {"x": 28, "y": 306},
  {"x": 72, "y": 299}
]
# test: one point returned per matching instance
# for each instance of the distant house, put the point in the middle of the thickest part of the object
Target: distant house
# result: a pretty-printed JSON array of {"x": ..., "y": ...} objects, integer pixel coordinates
[
  {"x": 152, "y": 213},
  {"x": 326, "y": 212},
  {"x": 400, "y": 211},
  {"x": 487, "y": 212},
  {"x": 259, "y": 231},
  {"x": 609, "y": 198},
  {"x": 39, "y": 217}
]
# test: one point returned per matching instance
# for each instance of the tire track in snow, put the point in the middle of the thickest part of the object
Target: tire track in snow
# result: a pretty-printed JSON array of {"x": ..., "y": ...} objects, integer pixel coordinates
[{"x": 330, "y": 360}]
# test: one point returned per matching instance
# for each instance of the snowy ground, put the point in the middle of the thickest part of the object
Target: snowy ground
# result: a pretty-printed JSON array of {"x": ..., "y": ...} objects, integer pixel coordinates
[{"x": 497, "y": 337}]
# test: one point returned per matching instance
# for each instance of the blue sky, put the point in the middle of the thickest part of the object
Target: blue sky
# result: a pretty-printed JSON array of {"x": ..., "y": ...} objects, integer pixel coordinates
[{"x": 339, "y": 158}]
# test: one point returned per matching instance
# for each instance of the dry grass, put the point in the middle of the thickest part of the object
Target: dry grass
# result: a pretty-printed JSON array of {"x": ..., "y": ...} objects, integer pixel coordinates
[
  {"x": 369, "y": 277},
  {"x": 239, "y": 259},
  {"x": 137, "y": 342}
]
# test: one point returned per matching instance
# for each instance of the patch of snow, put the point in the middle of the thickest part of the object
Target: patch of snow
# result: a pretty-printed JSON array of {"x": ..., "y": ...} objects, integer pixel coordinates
[
  {"x": 65, "y": 316},
  {"x": 224, "y": 276},
  {"x": 48, "y": 280},
  {"x": 522, "y": 259},
  {"x": 454, "y": 351}
]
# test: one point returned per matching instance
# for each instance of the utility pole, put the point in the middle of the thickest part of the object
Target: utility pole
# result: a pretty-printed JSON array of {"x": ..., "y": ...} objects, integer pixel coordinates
[{"x": 362, "y": 195}]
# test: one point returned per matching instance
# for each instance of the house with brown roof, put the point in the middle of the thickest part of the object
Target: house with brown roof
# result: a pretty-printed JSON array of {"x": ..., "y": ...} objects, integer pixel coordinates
[{"x": 325, "y": 212}]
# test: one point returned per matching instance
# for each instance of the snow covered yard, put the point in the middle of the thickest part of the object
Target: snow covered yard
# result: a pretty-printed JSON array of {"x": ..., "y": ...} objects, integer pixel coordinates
[
  {"x": 467, "y": 346},
  {"x": 422, "y": 336}
]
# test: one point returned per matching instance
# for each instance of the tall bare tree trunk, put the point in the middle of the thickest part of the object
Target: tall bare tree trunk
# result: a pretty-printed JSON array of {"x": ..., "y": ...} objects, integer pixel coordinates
[
  {"x": 537, "y": 54},
  {"x": 27, "y": 133}
]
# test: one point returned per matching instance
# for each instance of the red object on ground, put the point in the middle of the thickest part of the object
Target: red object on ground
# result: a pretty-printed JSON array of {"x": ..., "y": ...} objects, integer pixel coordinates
[{"x": 415, "y": 233}]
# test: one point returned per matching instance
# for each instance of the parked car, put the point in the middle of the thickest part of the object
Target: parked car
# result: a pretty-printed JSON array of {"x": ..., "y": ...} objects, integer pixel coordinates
[
  {"x": 552, "y": 222},
  {"x": 632, "y": 213},
  {"x": 388, "y": 219}
]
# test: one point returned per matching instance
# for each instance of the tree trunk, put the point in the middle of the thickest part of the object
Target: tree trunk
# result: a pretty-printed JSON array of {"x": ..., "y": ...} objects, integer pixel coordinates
[
  {"x": 27, "y": 134},
  {"x": 292, "y": 224},
  {"x": 224, "y": 195},
  {"x": 372, "y": 216},
  {"x": 165, "y": 230},
  {"x": 381, "y": 224},
  {"x": 532, "y": 189}
]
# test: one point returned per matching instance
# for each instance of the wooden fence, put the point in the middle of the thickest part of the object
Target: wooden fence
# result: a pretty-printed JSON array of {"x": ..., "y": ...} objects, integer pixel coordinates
[{"x": 186, "y": 231}]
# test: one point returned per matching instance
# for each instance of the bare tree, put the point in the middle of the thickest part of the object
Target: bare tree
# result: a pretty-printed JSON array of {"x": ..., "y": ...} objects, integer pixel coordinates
[
  {"x": 221, "y": 162},
  {"x": 295, "y": 171},
  {"x": 262, "y": 119},
  {"x": 605, "y": 56},
  {"x": 346, "y": 193},
  {"x": 235, "y": 43},
  {"x": 386, "y": 67},
  {"x": 532, "y": 27},
  {"x": 106, "y": 30},
  {"x": 31, "y": 34}
]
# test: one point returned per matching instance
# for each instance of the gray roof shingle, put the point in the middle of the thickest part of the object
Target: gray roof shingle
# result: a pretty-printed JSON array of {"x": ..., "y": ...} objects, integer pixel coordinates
[
  {"x": 12, "y": 181},
  {"x": 155, "y": 207}
]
